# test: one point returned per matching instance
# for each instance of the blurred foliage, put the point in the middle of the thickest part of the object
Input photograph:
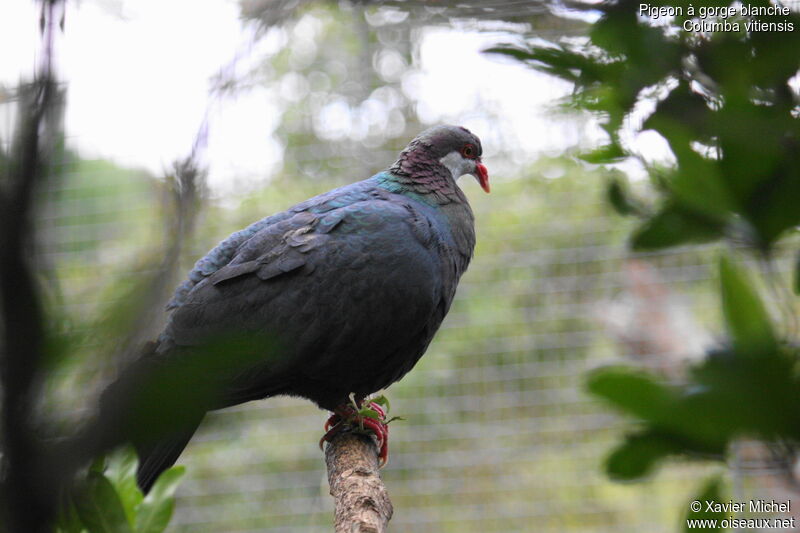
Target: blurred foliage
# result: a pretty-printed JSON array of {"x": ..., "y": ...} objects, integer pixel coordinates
[
  {"x": 712, "y": 491},
  {"x": 493, "y": 408},
  {"x": 495, "y": 425},
  {"x": 108, "y": 500},
  {"x": 338, "y": 77},
  {"x": 101, "y": 242},
  {"x": 515, "y": 341},
  {"x": 727, "y": 104},
  {"x": 724, "y": 102},
  {"x": 41, "y": 450}
]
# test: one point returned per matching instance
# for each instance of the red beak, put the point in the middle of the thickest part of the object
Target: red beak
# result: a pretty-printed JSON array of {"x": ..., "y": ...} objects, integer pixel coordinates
[{"x": 483, "y": 176}]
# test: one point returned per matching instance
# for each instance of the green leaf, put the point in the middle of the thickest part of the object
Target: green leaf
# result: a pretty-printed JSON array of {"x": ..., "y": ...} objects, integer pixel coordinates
[
  {"x": 772, "y": 65},
  {"x": 154, "y": 513},
  {"x": 697, "y": 183},
  {"x": 98, "y": 466},
  {"x": 572, "y": 63},
  {"x": 610, "y": 153},
  {"x": 673, "y": 226},
  {"x": 510, "y": 50},
  {"x": 711, "y": 491},
  {"x": 121, "y": 471},
  {"x": 683, "y": 113},
  {"x": 797, "y": 274},
  {"x": 747, "y": 320},
  {"x": 637, "y": 456},
  {"x": 770, "y": 383},
  {"x": 68, "y": 519},
  {"x": 632, "y": 391},
  {"x": 620, "y": 198},
  {"x": 771, "y": 208},
  {"x": 383, "y": 401},
  {"x": 369, "y": 413},
  {"x": 99, "y": 506}
]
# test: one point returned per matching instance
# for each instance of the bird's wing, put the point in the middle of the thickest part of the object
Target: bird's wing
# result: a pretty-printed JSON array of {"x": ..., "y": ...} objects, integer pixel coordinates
[
  {"x": 229, "y": 248},
  {"x": 333, "y": 282}
]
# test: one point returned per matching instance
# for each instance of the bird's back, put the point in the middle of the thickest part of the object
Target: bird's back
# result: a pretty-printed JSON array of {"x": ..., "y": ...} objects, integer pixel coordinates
[{"x": 351, "y": 284}]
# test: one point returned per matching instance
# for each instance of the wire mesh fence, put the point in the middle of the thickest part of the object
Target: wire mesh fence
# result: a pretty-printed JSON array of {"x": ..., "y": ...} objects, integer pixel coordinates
[
  {"x": 499, "y": 435},
  {"x": 498, "y": 432}
]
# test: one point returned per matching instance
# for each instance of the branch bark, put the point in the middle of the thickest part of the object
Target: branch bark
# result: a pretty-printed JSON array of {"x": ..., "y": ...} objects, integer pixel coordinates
[{"x": 361, "y": 500}]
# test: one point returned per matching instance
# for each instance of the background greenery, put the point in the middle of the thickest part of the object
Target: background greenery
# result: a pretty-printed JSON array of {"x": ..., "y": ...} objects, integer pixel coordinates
[
  {"x": 727, "y": 104},
  {"x": 500, "y": 431}
]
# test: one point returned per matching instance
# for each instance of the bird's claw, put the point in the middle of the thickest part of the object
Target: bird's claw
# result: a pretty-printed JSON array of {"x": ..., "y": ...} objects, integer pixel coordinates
[{"x": 366, "y": 419}]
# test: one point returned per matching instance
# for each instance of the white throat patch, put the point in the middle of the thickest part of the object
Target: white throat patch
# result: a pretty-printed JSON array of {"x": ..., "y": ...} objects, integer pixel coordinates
[{"x": 456, "y": 164}]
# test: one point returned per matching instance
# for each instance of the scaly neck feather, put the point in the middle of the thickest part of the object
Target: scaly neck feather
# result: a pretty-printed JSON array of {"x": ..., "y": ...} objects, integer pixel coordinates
[{"x": 419, "y": 172}]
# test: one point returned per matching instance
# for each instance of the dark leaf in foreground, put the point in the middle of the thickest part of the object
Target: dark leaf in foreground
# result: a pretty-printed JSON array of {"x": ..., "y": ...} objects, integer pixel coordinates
[
  {"x": 673, "y": 226},
  {"x": 99, "y": 506},
  {"x": 711, "y": 492}
]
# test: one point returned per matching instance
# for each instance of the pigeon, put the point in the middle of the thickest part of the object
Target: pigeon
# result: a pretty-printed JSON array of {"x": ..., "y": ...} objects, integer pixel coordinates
[{"x": 349, "y": 287}]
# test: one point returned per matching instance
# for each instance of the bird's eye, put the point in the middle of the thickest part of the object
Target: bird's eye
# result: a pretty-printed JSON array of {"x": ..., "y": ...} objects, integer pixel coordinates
[{"x": 469, "y": 151}]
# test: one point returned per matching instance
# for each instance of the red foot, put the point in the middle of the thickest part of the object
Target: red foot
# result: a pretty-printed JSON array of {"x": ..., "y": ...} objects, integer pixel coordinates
[{"x": 345, "y": 416}]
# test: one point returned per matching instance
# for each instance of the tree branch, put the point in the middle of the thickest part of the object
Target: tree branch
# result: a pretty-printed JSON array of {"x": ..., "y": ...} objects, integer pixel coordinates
[{"x": 361, "y": 499}]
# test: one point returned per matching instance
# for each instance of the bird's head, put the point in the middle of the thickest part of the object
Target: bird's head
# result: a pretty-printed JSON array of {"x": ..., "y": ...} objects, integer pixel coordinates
[{"x": 456, "y": 148}]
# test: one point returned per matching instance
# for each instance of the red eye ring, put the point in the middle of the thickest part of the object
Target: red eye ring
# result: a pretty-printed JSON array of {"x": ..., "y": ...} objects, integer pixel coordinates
[{"x": 469, "y": 151}]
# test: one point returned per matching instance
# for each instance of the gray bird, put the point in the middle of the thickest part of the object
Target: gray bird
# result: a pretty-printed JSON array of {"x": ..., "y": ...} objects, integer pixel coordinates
[{"x": 349, "y": 287}]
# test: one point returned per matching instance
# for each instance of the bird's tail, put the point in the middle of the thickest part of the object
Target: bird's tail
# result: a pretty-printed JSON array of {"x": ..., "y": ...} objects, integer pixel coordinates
[
  {"x": 128, "y": 412},
  {"x": 138, "y": 405},
  {"x": 156, "y": 457}
]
